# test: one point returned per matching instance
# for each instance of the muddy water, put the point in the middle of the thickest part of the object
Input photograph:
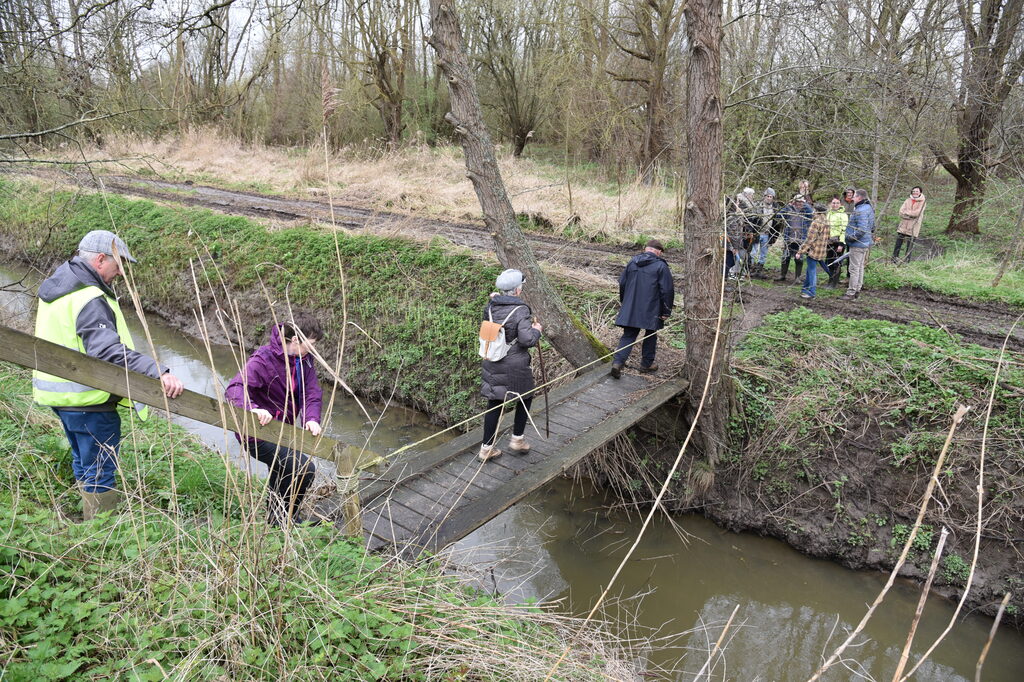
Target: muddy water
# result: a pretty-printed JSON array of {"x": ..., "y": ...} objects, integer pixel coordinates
[{"x": 683, "y": 582}]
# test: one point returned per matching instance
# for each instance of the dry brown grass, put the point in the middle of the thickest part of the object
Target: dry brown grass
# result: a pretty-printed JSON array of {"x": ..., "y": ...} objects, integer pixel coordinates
[{"x": 416, "y": 179}]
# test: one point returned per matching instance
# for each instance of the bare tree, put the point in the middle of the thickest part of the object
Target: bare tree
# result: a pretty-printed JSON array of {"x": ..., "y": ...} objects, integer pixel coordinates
[
  {"x": 992, "y": 65},
  {"x": 702, "y": 223},
  {"x": 575, "y": 343}
]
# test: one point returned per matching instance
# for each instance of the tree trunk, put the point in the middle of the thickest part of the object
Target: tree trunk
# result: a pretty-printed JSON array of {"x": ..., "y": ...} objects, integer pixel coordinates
[
  {"x": 702, "y": 223},
  {"x": 970, "y": 193},
  {"x": 565, "y": 333}
]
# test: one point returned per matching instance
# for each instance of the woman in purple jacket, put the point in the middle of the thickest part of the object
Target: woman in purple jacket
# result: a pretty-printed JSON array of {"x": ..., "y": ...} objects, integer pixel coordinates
[{"x": 279, "y": 382}]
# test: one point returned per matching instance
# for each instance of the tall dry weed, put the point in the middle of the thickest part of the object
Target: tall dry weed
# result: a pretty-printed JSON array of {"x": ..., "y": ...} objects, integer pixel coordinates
[{"x": 417, "y": 179}]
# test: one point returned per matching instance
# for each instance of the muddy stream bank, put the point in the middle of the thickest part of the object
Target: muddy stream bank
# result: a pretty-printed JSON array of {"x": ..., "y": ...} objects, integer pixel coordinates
[{"x": 562, "y": 545}]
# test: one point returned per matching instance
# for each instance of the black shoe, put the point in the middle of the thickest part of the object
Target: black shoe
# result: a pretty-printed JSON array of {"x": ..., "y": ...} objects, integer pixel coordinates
[
  {"x": 616, "y": 370},
  {"x": 848, "y": 296}
]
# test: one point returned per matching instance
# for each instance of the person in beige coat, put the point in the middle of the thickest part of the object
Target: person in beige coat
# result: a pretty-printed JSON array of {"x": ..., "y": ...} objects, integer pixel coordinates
[{"x": 911, "y": 216}]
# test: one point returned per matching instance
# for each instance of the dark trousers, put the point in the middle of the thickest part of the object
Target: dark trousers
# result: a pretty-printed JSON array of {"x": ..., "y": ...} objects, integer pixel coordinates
[
  {"x": 494, "y": 412},
  {"x": 648, "y": 347},
  {"x": 900, "y": 238},
  {"x": 788, "y": 254},
  {"x": 291, "y": 474}
]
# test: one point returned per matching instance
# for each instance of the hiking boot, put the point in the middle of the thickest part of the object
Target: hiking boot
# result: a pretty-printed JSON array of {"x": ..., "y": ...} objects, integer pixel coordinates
[
  {"x": 518, "y": 445},
  {"x": 806, "y": 295},
  {"x": 488, "y": 452},
  {"x": 616, "y": 370},
  {"x": 848, "y": 296},
  {"x": 649, "y": 369}
]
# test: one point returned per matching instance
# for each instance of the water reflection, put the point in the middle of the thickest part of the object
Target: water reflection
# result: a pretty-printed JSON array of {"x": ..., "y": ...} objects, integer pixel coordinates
[{"x": 794, "y": 610}]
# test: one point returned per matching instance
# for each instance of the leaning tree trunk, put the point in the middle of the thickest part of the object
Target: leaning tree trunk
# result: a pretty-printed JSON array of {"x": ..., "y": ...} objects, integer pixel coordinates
[
  {"x": 566, "y": 334},
  {"x": 702, "y": 222}
]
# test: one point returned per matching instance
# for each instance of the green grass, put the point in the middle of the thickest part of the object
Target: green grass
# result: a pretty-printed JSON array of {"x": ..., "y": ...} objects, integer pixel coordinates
[
  {"x": 209, "y": 592},
  {"x": 834, "y": 408},
  {"x": 969, "y": 265}
]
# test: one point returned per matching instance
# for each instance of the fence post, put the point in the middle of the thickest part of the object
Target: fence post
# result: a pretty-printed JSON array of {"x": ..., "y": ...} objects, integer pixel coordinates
[{"x": 345, "y": 457}]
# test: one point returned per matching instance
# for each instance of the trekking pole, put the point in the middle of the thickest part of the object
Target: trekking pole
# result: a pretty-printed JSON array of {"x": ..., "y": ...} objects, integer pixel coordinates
[{"x": 544, "y": 380}]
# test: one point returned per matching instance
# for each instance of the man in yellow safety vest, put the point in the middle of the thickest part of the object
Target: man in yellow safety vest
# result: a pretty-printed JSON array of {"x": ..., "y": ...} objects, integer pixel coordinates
[{"x": 78, "y": 310}]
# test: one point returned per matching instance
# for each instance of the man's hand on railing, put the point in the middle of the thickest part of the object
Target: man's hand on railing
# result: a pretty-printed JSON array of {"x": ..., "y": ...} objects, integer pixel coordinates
[{"x": 172, "y": 385}]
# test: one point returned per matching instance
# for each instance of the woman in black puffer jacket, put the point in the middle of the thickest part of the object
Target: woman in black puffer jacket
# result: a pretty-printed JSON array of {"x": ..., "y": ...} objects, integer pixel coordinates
[{"x": 510, "y": 378}]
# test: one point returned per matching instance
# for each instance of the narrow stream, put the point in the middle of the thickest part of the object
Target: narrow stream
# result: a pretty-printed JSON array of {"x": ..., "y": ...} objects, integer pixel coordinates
[{"x": 683, "y": 582}]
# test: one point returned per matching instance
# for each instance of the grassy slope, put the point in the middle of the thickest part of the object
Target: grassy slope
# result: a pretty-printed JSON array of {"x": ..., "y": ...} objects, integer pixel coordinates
[
  {"x": 211, "y": 593},
  {"x": 840, "y": 426}
]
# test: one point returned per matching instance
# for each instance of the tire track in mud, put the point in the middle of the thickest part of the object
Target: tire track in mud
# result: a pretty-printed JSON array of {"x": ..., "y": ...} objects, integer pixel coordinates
[{"x": 984, "y": 323}]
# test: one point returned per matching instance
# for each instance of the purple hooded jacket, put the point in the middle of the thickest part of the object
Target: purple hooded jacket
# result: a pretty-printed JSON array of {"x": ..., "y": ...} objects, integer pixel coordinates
[{"x": 286, "y": 386}]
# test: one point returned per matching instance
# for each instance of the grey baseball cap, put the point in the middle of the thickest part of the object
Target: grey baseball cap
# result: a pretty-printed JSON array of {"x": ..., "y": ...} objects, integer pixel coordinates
[
  {"x": 509, "y": 280},
  {"x": 104, "y": 241}
]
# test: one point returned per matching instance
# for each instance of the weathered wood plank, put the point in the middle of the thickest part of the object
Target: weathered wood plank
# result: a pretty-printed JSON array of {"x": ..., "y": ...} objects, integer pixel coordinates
[
  {"x": 478, "y": 512},
  {"x": 418, "y": 464},
  {"x": 35, "y": 353}
]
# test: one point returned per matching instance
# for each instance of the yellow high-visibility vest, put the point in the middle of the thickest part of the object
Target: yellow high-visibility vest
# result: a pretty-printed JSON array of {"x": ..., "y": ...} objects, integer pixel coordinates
[{"x": 56, "y": 322}]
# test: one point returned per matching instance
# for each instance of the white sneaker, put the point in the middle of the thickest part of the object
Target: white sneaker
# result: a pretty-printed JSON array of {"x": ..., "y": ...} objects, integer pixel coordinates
[{"x": 488, "y": 452}]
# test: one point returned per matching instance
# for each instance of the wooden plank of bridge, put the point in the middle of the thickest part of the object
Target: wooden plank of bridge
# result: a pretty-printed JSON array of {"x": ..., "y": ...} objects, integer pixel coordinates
[
  {"x": 459, "y": 493},
  {"x": 417, "y": 464},
  {"x": 467, "y": 517}
]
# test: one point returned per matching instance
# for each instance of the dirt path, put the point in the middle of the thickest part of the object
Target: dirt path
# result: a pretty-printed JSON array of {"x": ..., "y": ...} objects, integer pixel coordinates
[{"x": 982, "y": 323}]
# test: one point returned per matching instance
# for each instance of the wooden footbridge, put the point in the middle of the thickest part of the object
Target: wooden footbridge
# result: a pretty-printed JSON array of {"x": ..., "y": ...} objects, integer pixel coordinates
[
  {"x": 416, "y": 503},
  {"x": 435, "y": 498}
]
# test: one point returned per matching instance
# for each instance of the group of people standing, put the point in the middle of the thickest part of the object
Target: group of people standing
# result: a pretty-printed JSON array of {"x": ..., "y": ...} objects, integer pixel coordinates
[{"x": 823, "y": 236}]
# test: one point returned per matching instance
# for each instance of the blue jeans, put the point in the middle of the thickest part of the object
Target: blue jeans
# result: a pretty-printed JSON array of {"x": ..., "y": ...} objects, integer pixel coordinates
[
  {"x": 810, "y": 283},
  {"x": 648, "y": 347},
  {"x": 94, "y": 438},
  {"x": 760, "y": 250}
]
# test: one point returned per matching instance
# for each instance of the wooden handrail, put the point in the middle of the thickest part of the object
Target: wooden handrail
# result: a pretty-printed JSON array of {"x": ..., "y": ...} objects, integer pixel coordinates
[{"x": 32, "y": 352}]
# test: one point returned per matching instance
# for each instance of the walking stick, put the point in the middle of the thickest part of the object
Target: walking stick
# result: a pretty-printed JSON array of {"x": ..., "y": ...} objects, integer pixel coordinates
[{"x": 544, "y": 380}]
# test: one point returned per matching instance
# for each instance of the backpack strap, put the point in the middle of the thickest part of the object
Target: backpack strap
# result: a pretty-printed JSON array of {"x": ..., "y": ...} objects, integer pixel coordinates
[{"x": 507, "y": 317}]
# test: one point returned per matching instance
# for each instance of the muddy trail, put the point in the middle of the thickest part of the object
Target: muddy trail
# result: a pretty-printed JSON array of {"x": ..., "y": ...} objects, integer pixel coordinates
[{"x": 984, "y": 323}]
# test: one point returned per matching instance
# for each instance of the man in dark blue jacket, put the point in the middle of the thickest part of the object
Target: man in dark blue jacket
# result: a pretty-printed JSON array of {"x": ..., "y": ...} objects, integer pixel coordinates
[{"x": 646, "y": 293}]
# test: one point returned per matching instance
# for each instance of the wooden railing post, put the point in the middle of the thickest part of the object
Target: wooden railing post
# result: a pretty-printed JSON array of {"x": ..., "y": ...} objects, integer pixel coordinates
[{"x": 345, "y": 457}]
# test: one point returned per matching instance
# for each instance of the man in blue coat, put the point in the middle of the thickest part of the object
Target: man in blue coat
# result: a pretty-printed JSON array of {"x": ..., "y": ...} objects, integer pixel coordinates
[
  {"x": 859, "y": 231},
  {"x": 646, "y": 293}
]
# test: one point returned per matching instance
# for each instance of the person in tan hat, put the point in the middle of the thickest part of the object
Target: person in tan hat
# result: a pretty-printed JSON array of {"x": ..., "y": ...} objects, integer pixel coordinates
[{"x": 78, "y": 310}]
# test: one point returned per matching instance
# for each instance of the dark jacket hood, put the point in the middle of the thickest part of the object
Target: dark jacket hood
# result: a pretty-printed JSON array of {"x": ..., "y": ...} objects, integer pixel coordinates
[
  {"x": 71, "y": 276},
  {"x": 646, "y": 258}
]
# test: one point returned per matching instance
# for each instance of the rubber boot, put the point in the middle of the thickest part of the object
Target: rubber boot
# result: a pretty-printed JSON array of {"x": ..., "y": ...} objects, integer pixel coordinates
[
  {"x": 783, "y": 270},
  {"x": 833, "y": 279},
  {"x": 799, "y": 269},
  {"x": 518, "y": 445},
  {"x": 94, "y": 503}
]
